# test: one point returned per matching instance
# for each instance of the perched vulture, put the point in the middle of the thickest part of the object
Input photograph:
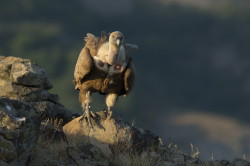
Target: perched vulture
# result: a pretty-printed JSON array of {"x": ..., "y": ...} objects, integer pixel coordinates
[{"x": 105, "y": 66}]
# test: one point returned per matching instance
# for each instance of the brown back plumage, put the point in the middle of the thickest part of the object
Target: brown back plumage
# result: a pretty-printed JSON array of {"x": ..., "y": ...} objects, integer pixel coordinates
[
  {"x": 84, "y": 62},
  {"x": 93, "y": 43}
]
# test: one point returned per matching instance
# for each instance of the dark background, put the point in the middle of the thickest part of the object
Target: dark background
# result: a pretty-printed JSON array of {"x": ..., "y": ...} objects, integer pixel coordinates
[{"x": 193, "y": 59}]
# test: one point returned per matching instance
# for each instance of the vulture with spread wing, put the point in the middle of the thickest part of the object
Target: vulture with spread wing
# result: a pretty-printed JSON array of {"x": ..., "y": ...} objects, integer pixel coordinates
[{"x": 105, "y": 66}]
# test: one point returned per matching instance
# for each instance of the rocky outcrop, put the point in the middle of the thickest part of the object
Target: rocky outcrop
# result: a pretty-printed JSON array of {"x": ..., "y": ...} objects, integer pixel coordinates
[
  {"x": 36, "y": 130},
  {"x": 22, "y": 79},
  {"x": 24, "y": 102},
  {"x": 19, "y": 128}
]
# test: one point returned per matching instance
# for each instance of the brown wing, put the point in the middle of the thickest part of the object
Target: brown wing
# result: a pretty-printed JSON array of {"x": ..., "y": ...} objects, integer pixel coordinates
[
  {"x": 83, "y": 67},
  {"x": 91, "y": 43},
  {"x": 129, "y": 48},
  {"x": 129, "y": 76},
  {"x": 84, "y": 63}
]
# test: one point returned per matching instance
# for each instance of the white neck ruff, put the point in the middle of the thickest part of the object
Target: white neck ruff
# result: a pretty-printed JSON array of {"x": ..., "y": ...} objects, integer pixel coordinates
[{"x": 114, "y": 69}]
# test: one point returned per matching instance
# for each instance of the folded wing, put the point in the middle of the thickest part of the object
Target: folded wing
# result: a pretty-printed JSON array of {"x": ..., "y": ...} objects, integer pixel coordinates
[
  {"x": 83, "y": 67},
  {"x": 129, "y": 76}
]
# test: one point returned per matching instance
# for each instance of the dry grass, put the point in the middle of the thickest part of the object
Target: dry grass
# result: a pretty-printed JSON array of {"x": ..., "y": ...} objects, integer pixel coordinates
[
  {"x": 48, "y": 150},
  {"x": 194, "y": 151},
  {"x": 46, "y": 153},
  {"x": 129, "y": 157}
]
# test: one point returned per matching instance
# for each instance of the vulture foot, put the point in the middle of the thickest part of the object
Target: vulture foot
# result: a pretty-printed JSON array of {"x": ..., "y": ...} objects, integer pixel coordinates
[{"x": 89, "y": 116}]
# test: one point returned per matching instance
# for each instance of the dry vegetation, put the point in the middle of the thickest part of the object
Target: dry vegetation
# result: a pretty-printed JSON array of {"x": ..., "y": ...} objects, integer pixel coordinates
[
  {"x": 129, "y": 157},
  {"x": 50, "y": 148}
]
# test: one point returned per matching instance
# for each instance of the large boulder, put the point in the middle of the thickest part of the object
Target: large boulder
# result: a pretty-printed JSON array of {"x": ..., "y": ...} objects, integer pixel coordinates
[
  {"x": 24, "y": 80},
  {"x": 19, "y": 128},
  {"x": 111, "y": 135},
  {"x": 21, "y": 77}
]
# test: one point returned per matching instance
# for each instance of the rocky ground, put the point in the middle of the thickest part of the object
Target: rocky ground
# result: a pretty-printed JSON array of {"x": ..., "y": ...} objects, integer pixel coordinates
[{"x": 36, "y": 130}]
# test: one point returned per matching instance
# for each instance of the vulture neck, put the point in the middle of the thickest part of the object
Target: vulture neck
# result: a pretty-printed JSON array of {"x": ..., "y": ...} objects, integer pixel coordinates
[
  {"x": 113, "y": 53},
  {"x": 109, "y": 49},
  {"x": 113, "y": 49}
]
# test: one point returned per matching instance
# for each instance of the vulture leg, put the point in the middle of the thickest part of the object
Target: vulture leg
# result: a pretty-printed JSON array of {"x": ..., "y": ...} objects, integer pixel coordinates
[
  {"x": 110, "y": 102},
  {"x": 85, "y": 100}
]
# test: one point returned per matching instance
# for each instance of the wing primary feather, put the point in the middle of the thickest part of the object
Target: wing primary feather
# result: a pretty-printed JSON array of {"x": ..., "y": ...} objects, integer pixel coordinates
[{"x": 129, "y": 48}]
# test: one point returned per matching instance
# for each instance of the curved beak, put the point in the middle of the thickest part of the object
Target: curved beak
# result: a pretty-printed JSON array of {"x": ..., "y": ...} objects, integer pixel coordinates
[{"x": 118, "y": 42}]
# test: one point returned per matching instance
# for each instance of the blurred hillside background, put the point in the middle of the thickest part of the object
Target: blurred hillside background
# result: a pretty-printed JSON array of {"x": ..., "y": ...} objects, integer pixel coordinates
[{"x": 193, "y": 62}]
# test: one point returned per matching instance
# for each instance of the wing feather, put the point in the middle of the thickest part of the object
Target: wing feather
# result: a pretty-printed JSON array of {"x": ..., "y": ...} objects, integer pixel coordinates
[
  {"x": 83, "y": 67},
  {"x": 129, "y": 48},
  {"x": 91, "y": 42}
]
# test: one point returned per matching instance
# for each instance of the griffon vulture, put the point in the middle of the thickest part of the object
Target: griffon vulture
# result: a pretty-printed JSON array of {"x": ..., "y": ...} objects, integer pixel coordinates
[{"x": 105, "y": 66}]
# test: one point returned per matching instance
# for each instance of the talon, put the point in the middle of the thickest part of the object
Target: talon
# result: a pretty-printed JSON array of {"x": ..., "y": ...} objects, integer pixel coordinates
[
  {"x": 81, "y": 118},
  {"x": 93, "y": 114},
  {"x": 88, "y": 116}
]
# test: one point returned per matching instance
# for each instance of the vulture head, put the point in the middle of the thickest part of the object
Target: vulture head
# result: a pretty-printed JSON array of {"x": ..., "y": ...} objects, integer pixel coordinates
[{"x": 115, "y": 43}]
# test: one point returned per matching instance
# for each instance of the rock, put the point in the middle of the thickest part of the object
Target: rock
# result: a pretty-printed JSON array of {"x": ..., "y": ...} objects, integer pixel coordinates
[
  {"x": 49, "y": 109},
  {"x": 192, "y": 161},
  {"x": 23, "y": 72},
  {"x": 87, "y": 154},
  {"x": 111, "y": 135},
  {"x": 167, "y": 163},
  {"x": 221, "y": 163},
  {"x": 177, "y": 158},
  {"x": 22, "y": 79},
  {"x": 124, "y": 159},
  {"x": 240, "y": 162},
  {"x": 19, "y": 127}
]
